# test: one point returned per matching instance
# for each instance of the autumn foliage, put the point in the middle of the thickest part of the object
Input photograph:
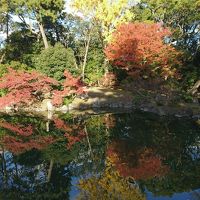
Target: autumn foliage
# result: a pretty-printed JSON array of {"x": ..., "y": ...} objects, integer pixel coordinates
[
  {"x": 28, "y": 87},
  {"x": 24, "y": 87},
  {"x": 20, "y": 145},
  {"x": 21, "y": 138},
  {"x": 141, "y": 164},
  {"x": 139, "y": 49},
  {"x": 17, "y": 128},
  {"x": 73, "y": 133},
  {"x": 71, "y": 86}
]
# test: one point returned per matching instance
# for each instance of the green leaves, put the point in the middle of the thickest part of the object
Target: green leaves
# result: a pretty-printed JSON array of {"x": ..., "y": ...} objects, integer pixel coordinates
[
  {"x": 54, "y": 60},
  {"x": 41, "y": 8}
]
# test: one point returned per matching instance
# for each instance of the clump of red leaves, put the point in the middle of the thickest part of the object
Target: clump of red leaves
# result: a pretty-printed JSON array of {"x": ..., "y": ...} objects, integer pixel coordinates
[
  {"x": 18, "y": 129},
  {"x": 24, "y": 87},
  {"x": 72, "y": 139},
  {"x": 17, "y": 145},
  {"x": 60, "y": 124},
  {"x": 72, "y": 86},
  {"x": 139, "y": 49},
  {"x": 28, "y": 87},
  {"x": 73, "y": 133}
]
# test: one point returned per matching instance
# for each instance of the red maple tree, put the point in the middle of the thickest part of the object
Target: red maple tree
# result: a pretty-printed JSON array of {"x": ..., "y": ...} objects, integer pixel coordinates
[
  {"x": 28, "y": 87},
  {"x": 139, "y": 48},
  {"x": 24, "y": 87},
  {"x": 71, "y": 86}
]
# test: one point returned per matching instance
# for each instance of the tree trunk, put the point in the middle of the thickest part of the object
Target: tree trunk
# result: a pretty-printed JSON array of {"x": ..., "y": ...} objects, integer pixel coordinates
[
  {"x": 44, "y": 38},
  {"x": 86, "y": 54},
  {"x": 89, "y": 145},
  {"x": 4, "y": 166},
  {"x": 195, "y": 88},
  {"x": 7, "y": 25}
]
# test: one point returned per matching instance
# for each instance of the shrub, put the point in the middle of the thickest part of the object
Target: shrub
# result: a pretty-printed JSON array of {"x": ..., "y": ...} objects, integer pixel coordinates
[{"x": 55, "y": 60}]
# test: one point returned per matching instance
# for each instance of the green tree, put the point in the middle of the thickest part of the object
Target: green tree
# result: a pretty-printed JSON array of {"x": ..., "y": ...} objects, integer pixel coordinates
[
  {"x": 182, "y": 16},
  {"x": 38, "y": 10},
  {"x": 21, "y": 47},
  {"x": 54, "y": 60}
]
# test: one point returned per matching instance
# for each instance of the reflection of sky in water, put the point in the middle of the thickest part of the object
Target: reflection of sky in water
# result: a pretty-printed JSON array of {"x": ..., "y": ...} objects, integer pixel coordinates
[
  {"x": 194, "y": 151},
  {"x": 193, "y": 195},
  {"x": 74, "y": 190}
]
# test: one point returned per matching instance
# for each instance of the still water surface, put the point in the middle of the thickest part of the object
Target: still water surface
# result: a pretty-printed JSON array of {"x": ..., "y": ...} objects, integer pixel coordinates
[{"x": 133, "y": 156}]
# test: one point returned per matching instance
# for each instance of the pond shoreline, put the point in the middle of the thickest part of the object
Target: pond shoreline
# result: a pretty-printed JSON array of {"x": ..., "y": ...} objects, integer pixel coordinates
[{"x": 104, "y": 100}]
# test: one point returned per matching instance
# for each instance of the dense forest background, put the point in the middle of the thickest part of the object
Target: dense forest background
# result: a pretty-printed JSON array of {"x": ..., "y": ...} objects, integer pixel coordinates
[{"x": 120, "y": 40}]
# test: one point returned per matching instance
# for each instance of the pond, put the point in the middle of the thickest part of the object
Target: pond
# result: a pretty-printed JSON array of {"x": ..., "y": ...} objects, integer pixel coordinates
[{"x": 134, "y": 156}]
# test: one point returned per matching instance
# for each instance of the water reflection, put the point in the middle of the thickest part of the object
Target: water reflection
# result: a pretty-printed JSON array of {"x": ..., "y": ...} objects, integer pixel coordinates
[{"x": 121, "y": 156}]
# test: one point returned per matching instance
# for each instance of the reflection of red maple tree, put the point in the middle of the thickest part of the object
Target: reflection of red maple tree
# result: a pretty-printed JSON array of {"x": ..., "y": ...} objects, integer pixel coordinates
[
  {"x": 139, "y": 164},
  {"x": 60, "y": 124},
  {"x": 72, "y": 139},
  {"x": 18, "y": 129},
  {"x": 23, "y": 138},
  {"x": 17, "y": 146},
  {"x": 73, "y": 133}
]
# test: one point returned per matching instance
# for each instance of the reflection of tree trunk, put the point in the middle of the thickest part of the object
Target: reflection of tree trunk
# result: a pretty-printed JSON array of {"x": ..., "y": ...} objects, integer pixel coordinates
[
  {"x": 89, "y": 145},
  {"x": 5, "y": 174},
  {"x": 86, "y": 54},
  {"x": 47, "y": 126},
  {"x": 50, "y": 170},
  {"x": 105, "y": 65},
  {"x": 16, "y": 170},
  {"x": 44, "y": 38},
  {"x": 50, "y": 113},
  {"x": 7, "y": 25}
]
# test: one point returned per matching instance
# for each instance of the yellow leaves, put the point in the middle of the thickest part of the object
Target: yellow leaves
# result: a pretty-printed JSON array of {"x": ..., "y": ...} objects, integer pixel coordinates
[
  {"x": 108, "y": 13},
  {"x": 109, "y": 185}
]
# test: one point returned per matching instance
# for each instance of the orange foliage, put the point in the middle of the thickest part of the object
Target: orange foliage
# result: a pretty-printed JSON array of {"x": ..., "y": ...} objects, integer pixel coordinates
[
  {"x": 139, "y": 49},
  {"x": 139, "y": 164},
  {"x": 29, "y": 87}
]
